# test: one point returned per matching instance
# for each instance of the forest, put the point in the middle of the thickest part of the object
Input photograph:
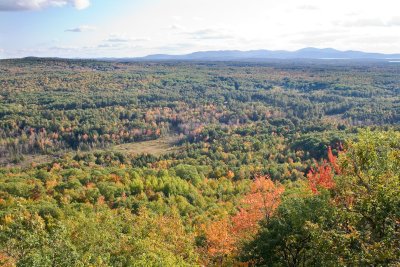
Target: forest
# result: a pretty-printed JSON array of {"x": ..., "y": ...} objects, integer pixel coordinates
[{"x": 283, "y": 163}]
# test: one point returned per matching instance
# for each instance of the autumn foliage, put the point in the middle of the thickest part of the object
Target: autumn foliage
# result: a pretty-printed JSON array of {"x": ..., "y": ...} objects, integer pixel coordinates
[
  {"x": 224, "y": 236},
  {"x": 6, "y": 261},
  {"x": 220, "y": 241},
  {"x": 259, "y": 204},
  {"x": 322, "y": 175},
  {"x": 333, "y": 159}
]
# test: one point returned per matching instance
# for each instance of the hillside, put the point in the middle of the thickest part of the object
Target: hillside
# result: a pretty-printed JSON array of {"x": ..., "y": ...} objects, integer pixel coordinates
[{"x": 283, "y": 163}]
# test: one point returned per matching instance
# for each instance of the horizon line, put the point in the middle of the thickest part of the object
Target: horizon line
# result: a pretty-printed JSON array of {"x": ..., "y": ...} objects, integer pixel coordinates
[{"x": 220, "y": 50}]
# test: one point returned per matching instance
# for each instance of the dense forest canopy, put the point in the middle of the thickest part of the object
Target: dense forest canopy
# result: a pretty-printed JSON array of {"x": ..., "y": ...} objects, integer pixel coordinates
[
  {"x": 50, "y": 105},
  {"x": 286, "y": 163}
]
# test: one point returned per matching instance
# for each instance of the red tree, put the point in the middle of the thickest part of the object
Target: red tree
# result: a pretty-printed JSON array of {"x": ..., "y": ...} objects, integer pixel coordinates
[
  {"x": 260, "y": 203},
  {"x": 322, "y": 175}
]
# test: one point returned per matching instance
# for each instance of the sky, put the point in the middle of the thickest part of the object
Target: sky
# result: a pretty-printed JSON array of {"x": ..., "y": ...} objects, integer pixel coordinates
[{"x": 132, "y": 28}]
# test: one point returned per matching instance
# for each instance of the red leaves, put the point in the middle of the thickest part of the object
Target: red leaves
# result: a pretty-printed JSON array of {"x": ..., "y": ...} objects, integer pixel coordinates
[
  {"x": 332, "y": 160},
  {"x": 322, "y": 175}
]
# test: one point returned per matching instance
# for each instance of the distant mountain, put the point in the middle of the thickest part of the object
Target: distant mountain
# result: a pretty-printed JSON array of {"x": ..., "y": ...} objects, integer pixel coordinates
[{"x": 305, "y": 53}]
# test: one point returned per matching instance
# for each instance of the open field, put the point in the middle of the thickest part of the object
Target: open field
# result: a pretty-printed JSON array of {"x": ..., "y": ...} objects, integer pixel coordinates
[{"x": 157, "y": 147}]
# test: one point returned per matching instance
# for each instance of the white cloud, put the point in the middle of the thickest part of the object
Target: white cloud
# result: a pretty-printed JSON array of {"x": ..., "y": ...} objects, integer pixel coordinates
[
  {"x": 307, "y": 7},
  {"x": 364, "y": 22},
  {"x": 177, "y": 48},
  {"x": 118, "y": 40},
  {"x": 81, "y": 4},
  {"x": 176, "y": 27},
  {"x": 177, "y": 18},
  {"x": 63, "y": 48},
  {"x": 22, "y": 5},
  {"x": 196, "y": 18},
  {"x": 123, "y": 38},
  {"x": 82, "y": 28},
  {"x": 394, "y": 21},
  {"x": 371, "y": 22},
  {"x": 210, "y": 34},
  {"x": 109, "y": 45}
]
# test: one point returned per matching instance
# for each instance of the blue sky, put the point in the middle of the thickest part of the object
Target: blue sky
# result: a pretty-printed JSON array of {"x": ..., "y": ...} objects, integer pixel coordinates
[{"x": 127, "y": 28}]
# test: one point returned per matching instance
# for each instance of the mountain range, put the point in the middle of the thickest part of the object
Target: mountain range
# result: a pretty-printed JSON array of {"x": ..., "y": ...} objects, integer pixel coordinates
[{"x": 305, "y": 53}]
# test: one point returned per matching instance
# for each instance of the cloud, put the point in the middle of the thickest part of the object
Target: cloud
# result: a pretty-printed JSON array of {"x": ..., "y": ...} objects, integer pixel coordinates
[
  {"x": 24, "y": 5},
  {"x": 307, "y": 7},
  {"x": 176, "y": 47},
  {"x": 198, "y": 18},
  {"x": 364, "y": 22},
  {"x": 110, "y": 45},
  {"x": 176, "y": 27},
  {"x": 117, "y": 46},
  {"x": 374, "y": 39},
  {"x": 82, "y": 28},
  {"x": 209, "y": 34},
  {"x": 70, "y": 49},
  {"x": 326, "y": 39},
  {"x": 63, "y": 48},
  {"x": 118, "y": 40},
  {"x": 372, "y": 22},
  {"x": 121, "y": 41},
  {"x": 394, "y": 21},
  {"x": 122, "y": 38},
  {"x": 177, "y": 18},
  {"x": 81, "y": 4}
]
